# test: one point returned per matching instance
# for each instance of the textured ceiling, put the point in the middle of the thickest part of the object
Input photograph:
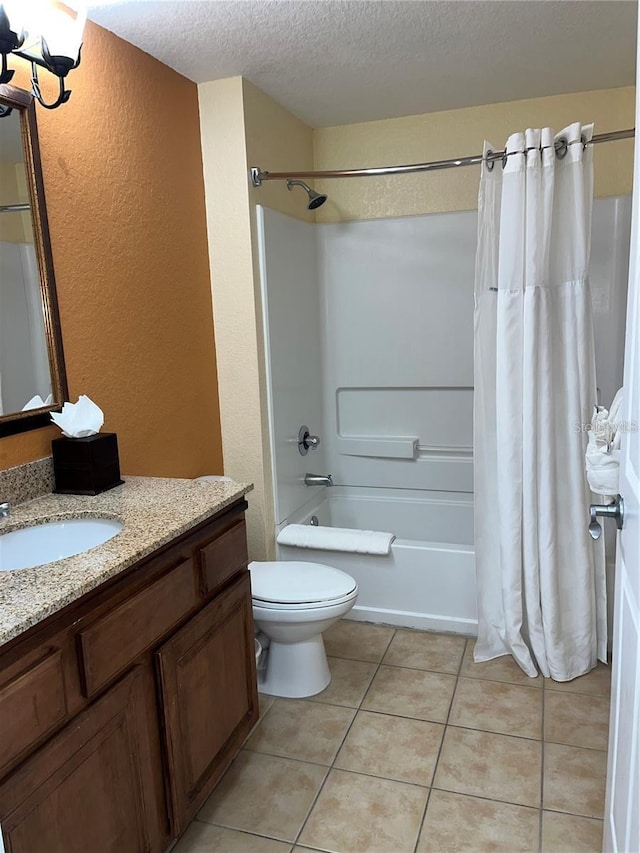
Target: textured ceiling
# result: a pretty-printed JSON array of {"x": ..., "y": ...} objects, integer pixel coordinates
[{"x": 342, "y": 61}]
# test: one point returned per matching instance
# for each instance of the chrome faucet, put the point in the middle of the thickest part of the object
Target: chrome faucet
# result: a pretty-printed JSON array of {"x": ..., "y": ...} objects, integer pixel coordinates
[
  {"x": 5, "y": 509},
  {"x": 318, "y": 480}
]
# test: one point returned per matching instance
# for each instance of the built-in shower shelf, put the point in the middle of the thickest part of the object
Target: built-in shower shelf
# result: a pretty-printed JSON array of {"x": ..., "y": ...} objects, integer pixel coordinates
[{"x": 383, "y": 447}]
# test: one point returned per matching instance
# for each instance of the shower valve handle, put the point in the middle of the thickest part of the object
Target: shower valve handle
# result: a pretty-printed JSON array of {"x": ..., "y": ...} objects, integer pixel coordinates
[
  {"x": 614, "y": 510},
  {"x": 306, "y": 441}
]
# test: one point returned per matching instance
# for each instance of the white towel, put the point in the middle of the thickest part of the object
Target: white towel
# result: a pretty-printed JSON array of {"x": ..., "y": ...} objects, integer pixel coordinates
[
  {"x": 602, "y": 459},
  {"x": 336, "y": 539},
  {"x": 603, "y": 471}
]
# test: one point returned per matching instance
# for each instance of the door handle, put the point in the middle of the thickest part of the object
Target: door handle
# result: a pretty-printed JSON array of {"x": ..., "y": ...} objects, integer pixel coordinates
[{"x": 614, "y": 510}]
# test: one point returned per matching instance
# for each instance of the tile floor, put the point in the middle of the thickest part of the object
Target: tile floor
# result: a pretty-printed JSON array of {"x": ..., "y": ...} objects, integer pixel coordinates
[{"x": 413, "y": 748}]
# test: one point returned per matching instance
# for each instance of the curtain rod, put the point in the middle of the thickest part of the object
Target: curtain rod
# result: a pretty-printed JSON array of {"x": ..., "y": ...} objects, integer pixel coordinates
[
  {"x": 258, "y": 176},
  {"x": 13, "y": 208}
]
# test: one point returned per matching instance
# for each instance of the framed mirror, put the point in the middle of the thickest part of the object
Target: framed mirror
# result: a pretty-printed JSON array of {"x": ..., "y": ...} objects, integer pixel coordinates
[{"x": 32, "y": 374}]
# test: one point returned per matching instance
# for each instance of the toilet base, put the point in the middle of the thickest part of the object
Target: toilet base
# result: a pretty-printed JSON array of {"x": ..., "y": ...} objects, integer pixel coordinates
[{"x": 296, "y": 670}]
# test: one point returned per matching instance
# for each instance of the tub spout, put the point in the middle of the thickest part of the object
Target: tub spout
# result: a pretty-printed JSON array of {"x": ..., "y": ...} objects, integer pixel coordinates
[{"x": 318, "y": 480}]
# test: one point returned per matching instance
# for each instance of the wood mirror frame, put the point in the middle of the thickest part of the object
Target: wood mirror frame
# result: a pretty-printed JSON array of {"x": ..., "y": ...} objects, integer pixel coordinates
[{"x": 16, "y": 422}]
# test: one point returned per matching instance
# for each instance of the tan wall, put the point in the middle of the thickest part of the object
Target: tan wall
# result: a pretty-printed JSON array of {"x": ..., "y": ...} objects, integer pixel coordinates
[
  {"x": 125, "y": 195},
  {"x": 242, "y": 127},
  {"x": 444, "y": 135},
  {"x": 275, "y": 137}
]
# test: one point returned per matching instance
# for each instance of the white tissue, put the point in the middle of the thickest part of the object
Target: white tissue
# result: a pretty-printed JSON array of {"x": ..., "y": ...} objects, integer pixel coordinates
[
  {"x": 37, "y": 402},
  {"x": 79, "y": 420}
]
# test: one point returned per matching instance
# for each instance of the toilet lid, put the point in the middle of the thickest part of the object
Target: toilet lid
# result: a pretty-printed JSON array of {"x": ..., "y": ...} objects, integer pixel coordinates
[{"x": 298, "y": 583}]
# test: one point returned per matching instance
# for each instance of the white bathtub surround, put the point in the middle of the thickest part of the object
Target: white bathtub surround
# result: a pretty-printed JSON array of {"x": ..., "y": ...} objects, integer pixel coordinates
[
  {"x": 541, "y": 579},
  {"x": 344, "y": 539},
  {"x": 369, "y": 331},
  {"x": 293, "y": 353},
  {"x": 425, "y": 581}
]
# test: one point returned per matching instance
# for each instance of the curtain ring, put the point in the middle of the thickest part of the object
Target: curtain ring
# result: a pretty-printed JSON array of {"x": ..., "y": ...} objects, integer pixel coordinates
[
  {"x": 504, "y": 159},
  {"x": 584, "y": 141},
  {"x": 489, "y": 163},
  {"x": 562, "y": 146}
]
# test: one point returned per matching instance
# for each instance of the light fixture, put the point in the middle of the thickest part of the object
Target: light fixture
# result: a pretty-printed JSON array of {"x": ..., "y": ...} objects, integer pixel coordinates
[{"x": 48, "y": 34}]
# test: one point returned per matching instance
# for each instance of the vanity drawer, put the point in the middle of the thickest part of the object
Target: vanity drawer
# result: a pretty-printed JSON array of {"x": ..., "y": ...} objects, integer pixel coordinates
[
  {"x": 225, "y": 556},
  {"x": 31, "y": 705},
  {"x": 111, "y": 644}
]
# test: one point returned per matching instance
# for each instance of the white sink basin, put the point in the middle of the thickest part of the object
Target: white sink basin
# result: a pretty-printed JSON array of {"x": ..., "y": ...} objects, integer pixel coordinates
[{"x": 55, "y": 540}]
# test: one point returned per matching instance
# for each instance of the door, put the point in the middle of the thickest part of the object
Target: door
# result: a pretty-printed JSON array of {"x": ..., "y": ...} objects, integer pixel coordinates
[
  {"x": 622, "y": 810},
  {"x": 210, "y": 702},
  {"x": 96, "y": 786}
]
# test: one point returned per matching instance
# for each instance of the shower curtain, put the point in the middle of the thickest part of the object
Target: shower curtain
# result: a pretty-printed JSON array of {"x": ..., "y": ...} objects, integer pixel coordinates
[
  {"x": 541, "y": 579},
  {"x": 35, "y": 320}
]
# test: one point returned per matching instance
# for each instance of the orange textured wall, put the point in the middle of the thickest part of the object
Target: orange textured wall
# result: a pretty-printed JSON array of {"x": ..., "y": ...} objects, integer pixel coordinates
[{"x": 123, "y": 177}]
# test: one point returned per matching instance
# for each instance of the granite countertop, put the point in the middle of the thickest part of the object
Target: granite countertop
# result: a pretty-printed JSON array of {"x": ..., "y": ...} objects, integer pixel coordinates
[{"x": 153, "y": 510}]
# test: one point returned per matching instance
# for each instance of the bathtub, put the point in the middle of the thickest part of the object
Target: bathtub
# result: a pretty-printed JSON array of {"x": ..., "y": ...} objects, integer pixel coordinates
[{"x": 428, "y": 581}]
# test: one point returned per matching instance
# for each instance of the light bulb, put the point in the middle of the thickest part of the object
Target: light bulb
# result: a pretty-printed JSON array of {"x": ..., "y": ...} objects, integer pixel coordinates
[{"x": 58, "y": 25}]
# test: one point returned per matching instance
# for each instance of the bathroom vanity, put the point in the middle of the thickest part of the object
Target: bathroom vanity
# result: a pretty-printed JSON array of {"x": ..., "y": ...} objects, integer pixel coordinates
[{"x": 127, "y": 674}]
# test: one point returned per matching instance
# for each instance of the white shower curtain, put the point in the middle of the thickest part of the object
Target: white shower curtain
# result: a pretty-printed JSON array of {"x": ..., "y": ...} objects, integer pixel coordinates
[
  {"x": 35, "y": 319},
  {"x": 541, "y": 579}
]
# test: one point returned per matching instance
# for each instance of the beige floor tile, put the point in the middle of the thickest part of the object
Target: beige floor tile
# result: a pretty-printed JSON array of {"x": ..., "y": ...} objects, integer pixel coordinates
[
  {"x": 565, "y": 833},
  {"x": 574, "y": 779},
  {"x": 577, "y": 720},
  {"x": 490, "y": 765},
  {"x": 421, "y": 650},
  {"x": 349, "y": 682},
  {"x": 411, "y": 693},
  {"x": 393, "y": 747},
  {"x": 304, "y": 730},
  {"x": 265, "y": 702},
  {"x": 357, "y": 640},
  {"x": 597, "y": 682},
  {"x": 499, "y": 669},
  {"x": 362, "y": 814},
  {"x": 205, "y": 838},
  {"x": 264, "y": 794},
  {"x": 456, "y": 823},
  {"x": 497, "y": 707}
]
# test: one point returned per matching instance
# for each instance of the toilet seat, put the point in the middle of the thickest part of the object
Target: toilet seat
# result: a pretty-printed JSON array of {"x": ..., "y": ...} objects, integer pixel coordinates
[
  {"x": 299, "y": 586},
  {"x": 309, "y": 605}
]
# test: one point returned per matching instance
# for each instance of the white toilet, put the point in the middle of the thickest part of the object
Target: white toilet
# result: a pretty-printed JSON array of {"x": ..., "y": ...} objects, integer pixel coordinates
[{"x": 293, "y": 603}]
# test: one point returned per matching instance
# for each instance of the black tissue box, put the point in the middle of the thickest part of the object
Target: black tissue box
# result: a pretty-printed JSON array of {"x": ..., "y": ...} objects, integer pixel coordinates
[{"x": 86, "y": 466}]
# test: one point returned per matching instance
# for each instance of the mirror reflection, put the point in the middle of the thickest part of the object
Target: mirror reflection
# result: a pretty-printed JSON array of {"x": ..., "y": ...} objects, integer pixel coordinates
[
  {"x": 32, "y": 375},
  {"x": 25, "y": 372}
]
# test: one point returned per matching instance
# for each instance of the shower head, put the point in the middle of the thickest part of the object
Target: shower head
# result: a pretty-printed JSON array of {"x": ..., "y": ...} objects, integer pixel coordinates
[{"x": 315, "y": 199}]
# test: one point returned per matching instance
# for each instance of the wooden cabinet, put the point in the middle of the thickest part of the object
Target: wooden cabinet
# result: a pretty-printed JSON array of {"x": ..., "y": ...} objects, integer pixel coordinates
[
  {"x": 118, "y": 715},
  {"x": 32, "y": 704},
  {"x": 109, "y": 645},
  {"x": 94, "y": 786},
  {"x": 209, "y": 695}
]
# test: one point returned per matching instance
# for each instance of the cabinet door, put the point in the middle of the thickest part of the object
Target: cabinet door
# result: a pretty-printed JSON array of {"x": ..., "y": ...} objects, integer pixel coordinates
[
  {"x": 208, "y": 682},
  {"x": 96, "y": 786}
]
